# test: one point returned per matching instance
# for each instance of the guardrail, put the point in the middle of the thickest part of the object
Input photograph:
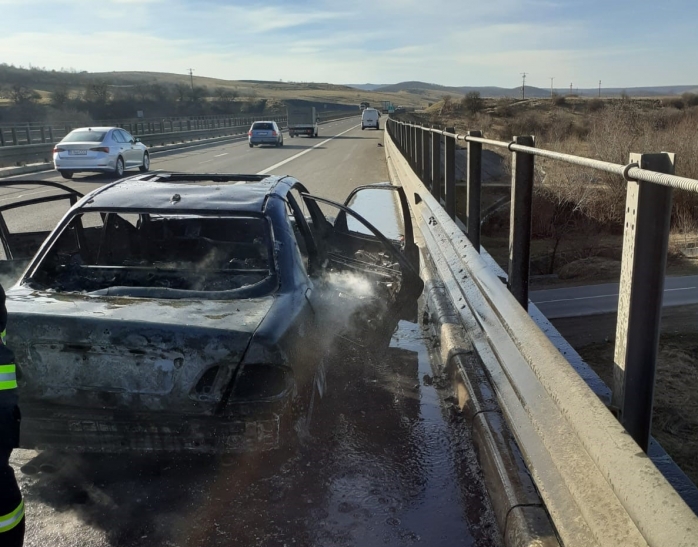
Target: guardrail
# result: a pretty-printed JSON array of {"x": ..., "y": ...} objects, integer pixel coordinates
[
  {"x": 578, "y": 453},
  {"x": 29, "y": 133},
  {"x": 149, "y": 133}
]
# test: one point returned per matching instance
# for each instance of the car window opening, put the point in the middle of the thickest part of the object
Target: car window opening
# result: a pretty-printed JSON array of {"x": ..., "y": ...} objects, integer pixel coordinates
[{"x": 175, "y": 256}]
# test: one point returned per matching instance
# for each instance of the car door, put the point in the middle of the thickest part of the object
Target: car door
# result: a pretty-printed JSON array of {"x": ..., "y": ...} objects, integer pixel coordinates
[
  {"x": 20, "y": 219},
  {"x": 132, "y": 154},
  {"x": 380, "y": 251}
]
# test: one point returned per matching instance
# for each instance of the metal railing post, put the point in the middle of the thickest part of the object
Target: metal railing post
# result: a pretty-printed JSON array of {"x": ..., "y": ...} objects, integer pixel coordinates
[
  {"x": 29, "y": 135},
  {"x": 436, "y": 165},
  {"x": 43, "y": 134},
  {"x": 2, "y": 137},
  {"x": 424, "y": 146},
  {"x": 520, "y": 221},
  {"x": 474, "y": 175},
  {"x": 645, "y": 245},
  {"x": 418, "y": 149},
  {"x": 410, "y": 145},
  {"x": 14, "y": 136},
  {"x": 50, "y": 133},
  {"x": 450, "y": 173}
]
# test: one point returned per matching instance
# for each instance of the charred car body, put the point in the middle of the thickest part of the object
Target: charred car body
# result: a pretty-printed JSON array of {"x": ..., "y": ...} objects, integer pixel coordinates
[{"x": 182, "y": 312}]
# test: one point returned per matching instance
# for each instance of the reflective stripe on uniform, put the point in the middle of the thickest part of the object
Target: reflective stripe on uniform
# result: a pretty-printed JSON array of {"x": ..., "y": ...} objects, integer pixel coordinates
[
  {"x": 2, "y": 335},
  {"x": 9, "y": 521},
  {"x": 8, "y": 377}
]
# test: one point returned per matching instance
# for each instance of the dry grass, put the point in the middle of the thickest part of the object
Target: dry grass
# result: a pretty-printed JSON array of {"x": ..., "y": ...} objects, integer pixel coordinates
[{"x": 675, "y": 419}]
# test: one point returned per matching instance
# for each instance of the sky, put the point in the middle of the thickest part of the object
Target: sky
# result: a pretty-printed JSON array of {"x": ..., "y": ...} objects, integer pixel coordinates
[{"x": 449, "y": 42}]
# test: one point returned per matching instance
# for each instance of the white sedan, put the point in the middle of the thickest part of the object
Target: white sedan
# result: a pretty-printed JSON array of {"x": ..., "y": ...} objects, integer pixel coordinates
[{"x": 99, "y": 149}]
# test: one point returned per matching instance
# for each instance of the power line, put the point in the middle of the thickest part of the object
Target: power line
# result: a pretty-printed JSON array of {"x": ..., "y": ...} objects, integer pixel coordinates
[
  {"x": 551, "y": 86},
  {"x": 523, "y": 85}
]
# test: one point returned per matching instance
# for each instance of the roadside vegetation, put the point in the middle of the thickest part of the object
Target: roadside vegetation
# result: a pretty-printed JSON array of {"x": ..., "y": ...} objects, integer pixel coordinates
[
  {"x": 578, "y": 223},
  {"x": 578, "y": 220},
  {"x": 50, "y": 96}
]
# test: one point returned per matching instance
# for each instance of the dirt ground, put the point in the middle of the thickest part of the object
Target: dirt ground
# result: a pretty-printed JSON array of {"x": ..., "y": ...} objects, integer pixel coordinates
[{"x": 675, "y": 419}]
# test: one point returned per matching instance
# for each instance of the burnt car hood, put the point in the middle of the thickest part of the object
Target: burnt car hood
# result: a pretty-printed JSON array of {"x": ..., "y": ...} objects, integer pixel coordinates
[{"x": 127, "y": 353}]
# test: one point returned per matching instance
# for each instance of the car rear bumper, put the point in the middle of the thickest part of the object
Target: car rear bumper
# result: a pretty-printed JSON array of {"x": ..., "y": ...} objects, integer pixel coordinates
[
  {"x": 86, "y": 431},
  {"x": 264, "y": 140},
  {"x": 77, "y": 165}
]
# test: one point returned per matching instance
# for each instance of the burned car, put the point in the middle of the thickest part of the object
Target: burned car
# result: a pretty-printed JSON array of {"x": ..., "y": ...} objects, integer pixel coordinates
[{"x": 182, "y": 312}]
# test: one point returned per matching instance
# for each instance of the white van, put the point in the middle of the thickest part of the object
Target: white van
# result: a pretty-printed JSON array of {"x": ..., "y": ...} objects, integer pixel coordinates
[{"x": 369, "y": 118}]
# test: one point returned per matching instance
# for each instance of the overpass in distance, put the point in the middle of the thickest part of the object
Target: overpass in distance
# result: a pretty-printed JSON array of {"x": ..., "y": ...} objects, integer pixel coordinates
[{"x": 557, "y": 464}]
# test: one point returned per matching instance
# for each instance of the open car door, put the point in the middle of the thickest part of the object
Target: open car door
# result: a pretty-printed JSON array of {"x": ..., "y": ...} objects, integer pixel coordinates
[
  {"x": 371, "y": 235},
  {"x": 26, "y": 207}
]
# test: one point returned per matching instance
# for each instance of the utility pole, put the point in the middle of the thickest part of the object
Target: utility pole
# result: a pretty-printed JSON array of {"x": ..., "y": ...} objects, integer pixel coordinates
[
  {"x": 523, "y": 85},
  {"x": 551, "y": 87},
  {"x": 599, "y": 88},
  {"x": 570, "y": 88},
  {"x": 191, "y": 76}
]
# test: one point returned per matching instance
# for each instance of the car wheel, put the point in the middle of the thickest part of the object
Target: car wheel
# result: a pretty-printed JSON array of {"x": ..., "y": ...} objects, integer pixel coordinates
[
  {"x": 146, "y": 163},
  {"x": 251, "y": 145},
  {"x": 362, "y": 128},
  {"x": 119, "y": 169},
  {"x": 282, "y": 142},
  {"x": 67, "y": 174}
]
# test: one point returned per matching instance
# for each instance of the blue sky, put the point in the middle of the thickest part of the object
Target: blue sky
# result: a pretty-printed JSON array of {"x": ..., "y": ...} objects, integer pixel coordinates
[{"x": 623, "y": 43}]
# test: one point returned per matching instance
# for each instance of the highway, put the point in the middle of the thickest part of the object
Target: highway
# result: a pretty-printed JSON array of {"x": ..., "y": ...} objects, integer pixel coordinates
[
  {"x": 603, "y": 298},
  {"x": 383, "y": 464}
]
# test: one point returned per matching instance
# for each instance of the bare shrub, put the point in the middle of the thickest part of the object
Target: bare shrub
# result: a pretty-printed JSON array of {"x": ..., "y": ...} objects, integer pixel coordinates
[
  {"x": 674, "y": 102},
  {"x": 594, "y": 105},
  {"x": 690, "y": 99},
  {"x": 472, "y": 102},
  {"x": 559, "y": 100}
]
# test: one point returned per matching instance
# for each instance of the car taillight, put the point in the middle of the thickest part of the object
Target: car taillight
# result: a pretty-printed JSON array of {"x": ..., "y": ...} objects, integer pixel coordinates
[
  {"x": 249, "y": 133},
  {"x": 273, "y": 133},
  {"x": 104, "y": 149},
  {"x": 57, "y": 149}
]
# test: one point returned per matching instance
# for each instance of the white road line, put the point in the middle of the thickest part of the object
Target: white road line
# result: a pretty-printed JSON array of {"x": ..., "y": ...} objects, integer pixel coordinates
[
  {"x": 601, "y": 296},
  {"x": 13, "y": 198},
  {"x": 276, "y": 165},
  {"x": 219, "y": 155}
]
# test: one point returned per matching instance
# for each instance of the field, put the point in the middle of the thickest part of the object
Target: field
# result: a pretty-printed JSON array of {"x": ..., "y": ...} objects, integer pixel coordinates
[{"x": 578, "y": 225}]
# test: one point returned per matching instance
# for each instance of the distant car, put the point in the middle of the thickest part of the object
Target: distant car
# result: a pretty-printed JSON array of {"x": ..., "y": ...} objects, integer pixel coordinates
[
  {"x": 100, "y": 150},
  {"x": 369, "y": 118},
  {"x": 173, "y": 312},
  {"x": 265, "y": 133}
]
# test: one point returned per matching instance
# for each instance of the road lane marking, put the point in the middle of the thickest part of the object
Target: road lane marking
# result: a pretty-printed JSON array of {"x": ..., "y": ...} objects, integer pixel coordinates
[
  {"x": 276, "y": 165},
  {"x": 219, "y": 155},
  {"x": 27, "y": 194},
  {"x": 602, "y": 296}
]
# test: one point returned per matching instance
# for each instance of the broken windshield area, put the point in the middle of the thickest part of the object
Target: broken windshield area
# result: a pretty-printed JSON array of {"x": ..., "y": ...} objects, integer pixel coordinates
[{"x": 160, "y": 256}]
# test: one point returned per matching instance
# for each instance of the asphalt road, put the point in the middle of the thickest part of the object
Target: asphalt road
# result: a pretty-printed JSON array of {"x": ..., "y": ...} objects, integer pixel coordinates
[
  {"x": 341, "y": 158},
  {"x": 383, "y": 464},
  {"x": 601, "y": 299}
]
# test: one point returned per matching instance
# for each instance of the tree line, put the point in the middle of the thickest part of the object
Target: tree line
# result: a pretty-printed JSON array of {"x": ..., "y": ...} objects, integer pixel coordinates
[{"x": 74, "y": 96}]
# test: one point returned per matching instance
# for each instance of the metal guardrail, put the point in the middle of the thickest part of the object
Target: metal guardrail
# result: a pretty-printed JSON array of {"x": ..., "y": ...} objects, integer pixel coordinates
[
  {"x": 28, "y": 134},
  {"x": 575, "y": 445},
  {"x": 200, "y": 129},
  {"x": 39, "y": 133}
]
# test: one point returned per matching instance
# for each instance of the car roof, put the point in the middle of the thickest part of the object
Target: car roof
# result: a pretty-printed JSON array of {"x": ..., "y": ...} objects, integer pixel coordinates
[
  {"x": 100, "y": 128},
  {"x": 169, "y": 192}
]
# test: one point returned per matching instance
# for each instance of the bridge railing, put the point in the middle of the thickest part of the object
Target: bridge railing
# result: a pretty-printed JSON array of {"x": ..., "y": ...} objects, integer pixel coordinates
[{"x": 558, "y": 420}]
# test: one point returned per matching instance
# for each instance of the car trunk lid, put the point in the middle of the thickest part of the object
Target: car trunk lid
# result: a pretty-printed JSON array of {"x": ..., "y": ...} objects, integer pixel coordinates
[{"x": 136, "y": 354}]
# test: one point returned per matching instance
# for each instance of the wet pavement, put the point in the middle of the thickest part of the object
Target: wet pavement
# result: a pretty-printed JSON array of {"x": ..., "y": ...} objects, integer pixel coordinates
[{"x": 386, "y": 462}]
